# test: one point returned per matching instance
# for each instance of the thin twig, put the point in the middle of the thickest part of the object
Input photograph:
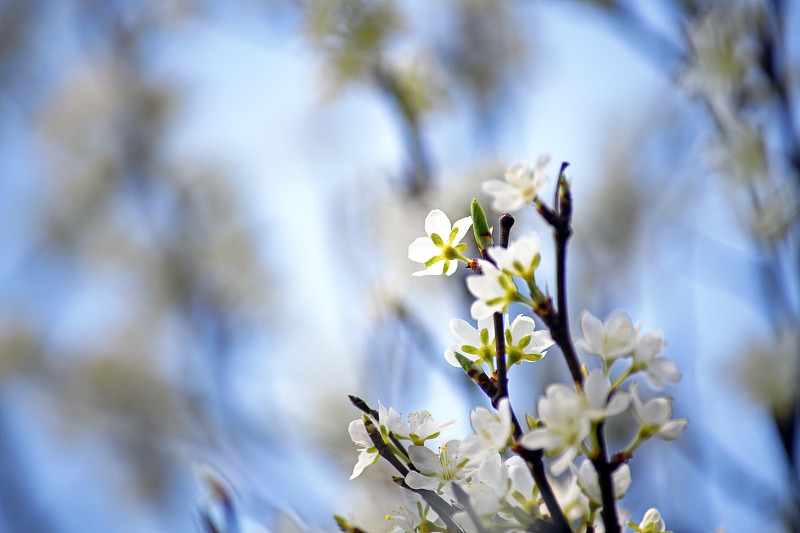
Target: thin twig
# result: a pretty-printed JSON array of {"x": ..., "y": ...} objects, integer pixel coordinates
[
  {"x": 604, "y": 473},
  {"x": 506, "y": 222},
  {"x": 442, "y": 508},
  {"x": 533, "y": 458},
  {"x": 560, "y": 218}
]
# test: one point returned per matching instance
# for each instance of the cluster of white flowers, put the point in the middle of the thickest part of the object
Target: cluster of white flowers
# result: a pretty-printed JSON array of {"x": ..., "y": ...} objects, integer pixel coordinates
[{"x": 489, "y": 481}]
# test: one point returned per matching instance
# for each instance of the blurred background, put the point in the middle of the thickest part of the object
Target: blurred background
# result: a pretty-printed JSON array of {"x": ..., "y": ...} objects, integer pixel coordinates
[{"x": 205, "y": 208}]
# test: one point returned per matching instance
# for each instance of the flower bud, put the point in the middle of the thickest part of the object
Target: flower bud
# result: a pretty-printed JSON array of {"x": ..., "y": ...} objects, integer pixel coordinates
[{"x": 483, "y": 233}]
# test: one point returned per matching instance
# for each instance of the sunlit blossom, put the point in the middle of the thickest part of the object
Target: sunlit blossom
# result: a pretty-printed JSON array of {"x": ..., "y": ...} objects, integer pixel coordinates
[
  {"x": 441, "y": 250},
  {"x": 475, "y": 344},
  {"x": 523, "y": 343},
  {"x": 494, "y": 290}
]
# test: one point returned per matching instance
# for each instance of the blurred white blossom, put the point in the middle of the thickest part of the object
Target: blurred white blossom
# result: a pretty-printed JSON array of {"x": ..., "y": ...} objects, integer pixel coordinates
[
  {"x": 611, "y": 340},
  {"x": 654, "y": 416},
  {"x": 646, "y": 358},
  {"x": 563, "y": 411},
  {"x": 521, "y": 184}
]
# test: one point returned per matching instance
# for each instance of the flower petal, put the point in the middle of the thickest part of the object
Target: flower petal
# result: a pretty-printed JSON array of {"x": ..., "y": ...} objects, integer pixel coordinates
[
  {"x": 561, "y": 464},
  {"x": 621, "y": 480},
  {"x": 593, "y": 333},
  {"x": 415, "y": 480},
  {"x": 596, "y": 389},
  {"x": 539, "y": 439},
  {"x": 437, "y": 222},
  {"x": 423, "y": 249},
  {"x": 364, "y": 460},
  {"x": 673, "y": 429},
  {"x": 462, "y": 225},
  {"x": 655, "y": 412},
  {"x": 618, "y": 403}
]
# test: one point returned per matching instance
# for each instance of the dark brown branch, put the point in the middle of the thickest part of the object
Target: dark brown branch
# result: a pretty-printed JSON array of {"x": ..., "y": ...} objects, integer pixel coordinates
[
  {"x": 557, "y": 320},
  {"x": 442, "y": 508},
  {"x": 604, "y": 478},
  {"x": 506, "y": 222},
  {"x": 533, "y": 458}
]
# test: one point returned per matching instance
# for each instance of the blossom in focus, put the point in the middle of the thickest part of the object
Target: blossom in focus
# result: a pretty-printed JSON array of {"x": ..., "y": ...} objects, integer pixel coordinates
[
  {"x": 655, "y": 417},
  {"x": 520, "y": 258},
  {"x": 494, "y": 290},
  {"x": 441, "y": 249},
  {"x": 521, "y": 184},
  {"x": 421, "y": 426},
  {"x": 475, "y": 344},
  {"x": 596, "y": 389},
  {"x": 368, "y": 454},
  {"x": 587, "y": 479},
  {"x": 566, "y": 425},
  {"x": 611, "y": 340},
  {"x": 658, "y": 369},
  {"x": 436, "y": 470},
  {"x": 523, "y": 343}
]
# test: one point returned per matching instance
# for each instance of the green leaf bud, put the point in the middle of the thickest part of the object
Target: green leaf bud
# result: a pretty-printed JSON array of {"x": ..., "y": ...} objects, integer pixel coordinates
[{"x": 483, "y": 233}]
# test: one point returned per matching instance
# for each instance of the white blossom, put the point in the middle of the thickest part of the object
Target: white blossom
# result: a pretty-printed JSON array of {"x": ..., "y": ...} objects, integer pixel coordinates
[
  {"x": 596, "y": 389},
  {"x": 655, "y": 417},
  {"x": 521, "y": 491},
  {"x": 611, "y": 340},
  {"x": 441, "y": 250},
  {"x": 571, "y": 498},
  {"x": 493, "y": 428},
  {"x": 521, "y": 184},
  {"x": 407, "y": 518},
  {"x": 436, "y": 470},
  {"x": 770, "y": 368},
  {"x": 494, "y": 290},
  {"x": 367, "y": 453},
  {"x": 488, "y": 486},
  {"x": 566, "y": 425},
  {"x": 421, "y": 426},
  {"x": 724, "y": 46},
  {"x": 646, "y": 358},
  {"x": 523, "y": 343},
  {"x": 587, "y": 479},
  {"x": 475, "y": 344},
  {"x": 651, "y": 523},
  {"x": 520, "y": 258}
]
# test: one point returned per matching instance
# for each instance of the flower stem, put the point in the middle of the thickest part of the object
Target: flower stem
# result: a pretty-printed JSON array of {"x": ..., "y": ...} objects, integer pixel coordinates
[
  {"x": 506, "y": 222},
  {"x": 557, "y": 320},
  {"x": 441, "y": 507},
  {"x": 622, "y": 377},
  {"x": 604, "y": 471},
  {"x": 533, "y": 458}
]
